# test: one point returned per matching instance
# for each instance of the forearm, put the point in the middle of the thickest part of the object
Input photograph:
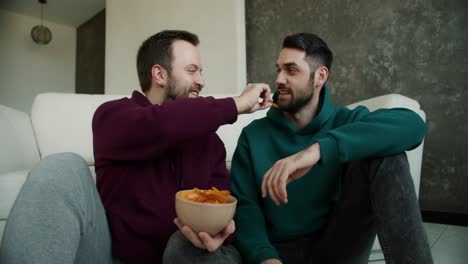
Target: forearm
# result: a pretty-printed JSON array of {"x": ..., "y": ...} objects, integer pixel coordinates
[
  {"x": 308, "y": 157},
  {"x": 132, "y": 132},
  {"x": 380, "y": 133}
]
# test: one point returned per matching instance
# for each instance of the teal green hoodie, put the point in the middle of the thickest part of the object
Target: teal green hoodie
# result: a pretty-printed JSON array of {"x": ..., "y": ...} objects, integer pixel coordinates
[{"x": 344, "y": 135}]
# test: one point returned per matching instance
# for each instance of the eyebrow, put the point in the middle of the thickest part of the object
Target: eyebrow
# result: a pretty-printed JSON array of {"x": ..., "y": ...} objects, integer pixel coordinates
[
  {"x": 194, "y": 65},
  {"x": 288, "y": 64}
]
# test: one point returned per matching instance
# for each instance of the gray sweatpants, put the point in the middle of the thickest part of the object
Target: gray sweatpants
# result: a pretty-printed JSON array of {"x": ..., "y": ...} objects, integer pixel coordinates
[{"x": 57, "y": 217}]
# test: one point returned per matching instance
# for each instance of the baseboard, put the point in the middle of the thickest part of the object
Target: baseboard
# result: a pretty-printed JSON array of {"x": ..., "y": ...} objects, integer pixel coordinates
[{"x": 447, "y": 218}]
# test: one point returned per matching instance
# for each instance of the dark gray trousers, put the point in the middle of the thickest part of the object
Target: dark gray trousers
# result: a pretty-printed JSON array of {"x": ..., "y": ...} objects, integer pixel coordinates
[{"x": 378, "y": 197}]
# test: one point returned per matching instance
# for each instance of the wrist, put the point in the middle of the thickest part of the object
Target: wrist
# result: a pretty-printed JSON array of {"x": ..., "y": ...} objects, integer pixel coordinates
[
  {"x": 239, "y": 104},
  {"x": 314, "y": 150},
  {"x": 308, "y": 156}
]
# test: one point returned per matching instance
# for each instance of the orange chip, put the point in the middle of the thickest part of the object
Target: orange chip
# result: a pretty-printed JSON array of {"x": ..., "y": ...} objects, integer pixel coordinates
[{"x": 212, "y": 196}]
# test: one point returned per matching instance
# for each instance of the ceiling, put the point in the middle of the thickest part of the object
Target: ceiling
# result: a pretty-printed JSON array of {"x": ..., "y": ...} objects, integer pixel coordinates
[{"x": 68, "y": 12}]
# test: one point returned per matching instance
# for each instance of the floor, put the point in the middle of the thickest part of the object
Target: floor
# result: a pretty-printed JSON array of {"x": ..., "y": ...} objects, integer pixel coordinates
[{"x": 449, "y": 244}]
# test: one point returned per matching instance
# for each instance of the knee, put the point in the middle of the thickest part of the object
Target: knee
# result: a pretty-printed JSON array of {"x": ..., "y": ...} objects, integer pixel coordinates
[
  {"x": 392, "y": 164},
  {"x": 392, "y": 169},
  {"x": 398, "y": 159},
  {"x": 67, "y": 159},
  {"x": 61, "y": 167},
  {"x": 176, "y": 244}
]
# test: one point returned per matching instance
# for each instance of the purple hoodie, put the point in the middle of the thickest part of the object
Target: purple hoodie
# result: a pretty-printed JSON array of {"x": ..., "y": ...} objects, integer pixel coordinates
[{"x": 144, "y": 154}]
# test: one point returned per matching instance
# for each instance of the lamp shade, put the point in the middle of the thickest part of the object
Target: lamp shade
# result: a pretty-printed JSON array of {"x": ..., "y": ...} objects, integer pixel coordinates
[{"x": 41, "y": 35}]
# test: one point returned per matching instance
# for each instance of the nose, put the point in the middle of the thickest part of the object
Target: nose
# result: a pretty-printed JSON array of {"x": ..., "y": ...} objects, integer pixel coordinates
[
  {"x": 280, "y": 79},
  {"x": 199, "y": 80}
]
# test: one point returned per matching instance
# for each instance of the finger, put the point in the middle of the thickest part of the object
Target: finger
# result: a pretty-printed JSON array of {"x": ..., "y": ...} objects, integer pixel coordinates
[
  {"x": 277, "y": 183},
  {"x": 266, "y": 97},
  {"x": 267, "y": 93},
  {"x": 283, "y": 173},
  {"x": 211, "y": 243},
  {"x": 192, "y": 237},
  {"x": 178, "y": 224},
  {"x": 282, "y": 190},
  {"x": 270, "y": 187},
  {"x": 265, "y": 104},
  {"x": 264, "y": 182},
  {"x": 278, "y": 186},
  {"x": 229, "y": 229},
  {"x": 268, "y": 182}
]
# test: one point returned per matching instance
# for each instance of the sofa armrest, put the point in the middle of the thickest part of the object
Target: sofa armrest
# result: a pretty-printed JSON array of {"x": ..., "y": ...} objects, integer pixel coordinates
[
  {"x": 18, "y": 149},
  {"x": 397, "y": 100},
  {"x": 10, "y": 185}
]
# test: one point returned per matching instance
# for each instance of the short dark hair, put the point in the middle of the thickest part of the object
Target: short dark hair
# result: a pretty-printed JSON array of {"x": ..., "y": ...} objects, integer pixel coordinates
[
  {"x": 315, "y": 48},
  {"x": 157, "y": 49}
]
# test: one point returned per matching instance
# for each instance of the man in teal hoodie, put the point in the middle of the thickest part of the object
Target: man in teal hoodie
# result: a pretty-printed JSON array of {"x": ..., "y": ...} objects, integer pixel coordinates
[{"x": 315, "y": 182}]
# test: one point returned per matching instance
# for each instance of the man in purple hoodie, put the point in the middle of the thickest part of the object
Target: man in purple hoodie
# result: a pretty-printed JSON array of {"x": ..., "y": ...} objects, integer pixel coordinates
[
  {"x": 150, "y": 146},
  {"x": 146, "y": 148}
]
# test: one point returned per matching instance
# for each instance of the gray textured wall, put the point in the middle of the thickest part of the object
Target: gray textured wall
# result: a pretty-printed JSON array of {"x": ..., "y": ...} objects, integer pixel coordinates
[
  {"x": 417, "y": 48},
  {"x": 90, "y": 52}
]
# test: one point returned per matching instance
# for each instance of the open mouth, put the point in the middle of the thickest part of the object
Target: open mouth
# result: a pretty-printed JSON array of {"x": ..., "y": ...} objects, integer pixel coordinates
[
  {"x": 193, "y": 93},
  {"x": 283, "y": 92}
]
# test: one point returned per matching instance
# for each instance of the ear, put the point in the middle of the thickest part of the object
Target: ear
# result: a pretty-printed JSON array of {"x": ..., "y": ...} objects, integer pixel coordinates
[
  {"x": 321, "y": 76},
  {"x": 159, "y": 75}
]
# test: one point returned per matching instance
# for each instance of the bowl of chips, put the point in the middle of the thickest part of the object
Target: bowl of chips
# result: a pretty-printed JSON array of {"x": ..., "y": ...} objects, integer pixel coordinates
[{"x": 205, "y": 210}]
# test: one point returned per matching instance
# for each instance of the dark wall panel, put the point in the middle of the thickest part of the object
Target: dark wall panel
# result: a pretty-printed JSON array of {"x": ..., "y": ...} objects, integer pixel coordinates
[
  {"x": 90, "y": 55},
  {"x": 415, "y": 48}
]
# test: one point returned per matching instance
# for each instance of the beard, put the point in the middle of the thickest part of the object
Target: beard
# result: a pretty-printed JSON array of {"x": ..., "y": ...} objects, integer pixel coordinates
[
  {"x": 176, "y": 90},
  {"x": 299, "y": 100}
]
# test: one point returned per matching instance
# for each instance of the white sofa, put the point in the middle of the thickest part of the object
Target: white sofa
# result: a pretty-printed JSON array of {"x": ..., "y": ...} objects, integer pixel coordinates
[{"x": 62, "y": 123}]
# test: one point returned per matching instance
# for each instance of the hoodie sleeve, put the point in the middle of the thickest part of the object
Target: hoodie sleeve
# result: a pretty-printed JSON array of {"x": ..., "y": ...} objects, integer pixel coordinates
[
  {"x": 251, "y": 232},
  {"x": 380, "y": 133},
  {"x": 124, "y": 130}
]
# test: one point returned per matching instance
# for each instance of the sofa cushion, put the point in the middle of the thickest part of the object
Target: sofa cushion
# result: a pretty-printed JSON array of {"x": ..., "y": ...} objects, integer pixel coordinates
[
  {"x": 229, "y": 134},
  {"x": 18, "y": 146},
  {"x": 62, "y": 122}
]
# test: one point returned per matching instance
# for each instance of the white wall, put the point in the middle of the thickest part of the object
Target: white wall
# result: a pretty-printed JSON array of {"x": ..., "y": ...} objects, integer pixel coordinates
[
  {"x": 26, "y": 68},
  {"x": 220, "y": 25}
]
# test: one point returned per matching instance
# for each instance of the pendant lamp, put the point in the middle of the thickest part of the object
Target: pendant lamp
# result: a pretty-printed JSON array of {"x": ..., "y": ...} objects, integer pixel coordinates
[{"x": 41, "y": 34}]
